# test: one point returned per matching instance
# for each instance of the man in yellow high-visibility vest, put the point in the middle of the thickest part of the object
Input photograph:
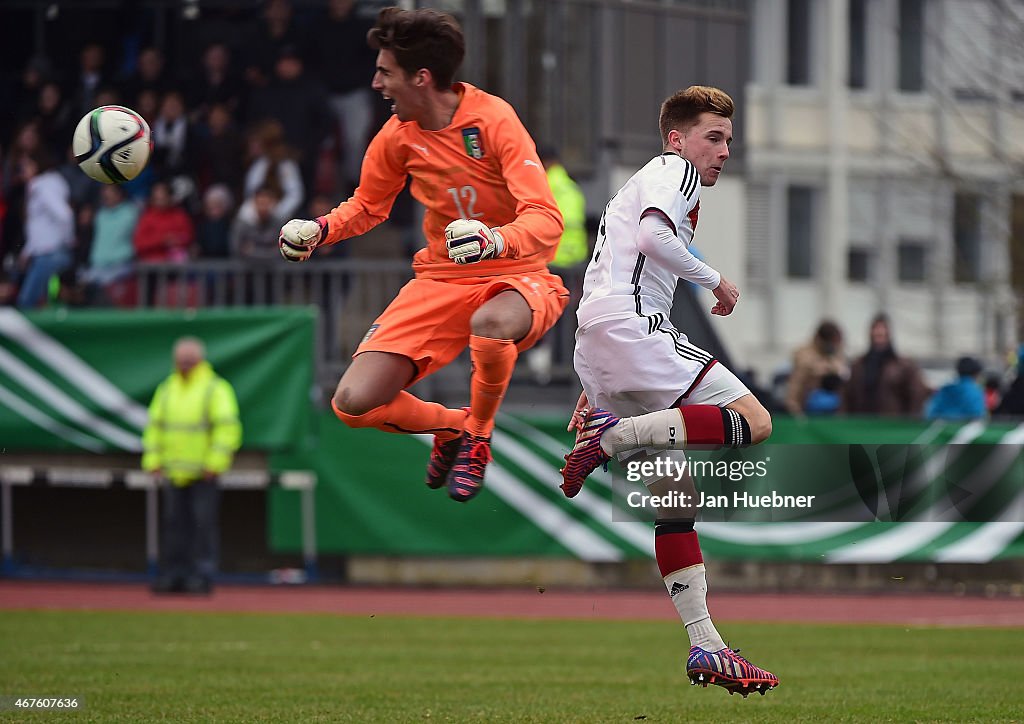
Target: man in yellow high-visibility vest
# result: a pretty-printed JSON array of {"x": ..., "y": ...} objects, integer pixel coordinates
[
  {"x": 573, "y": 248},
  {"x": 190, "y": 439}
]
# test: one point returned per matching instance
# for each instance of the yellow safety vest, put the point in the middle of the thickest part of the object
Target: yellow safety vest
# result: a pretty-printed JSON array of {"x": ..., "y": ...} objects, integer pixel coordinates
[
  {"x": 573, "y": 248},
  {"x": 193, "y": 426}
]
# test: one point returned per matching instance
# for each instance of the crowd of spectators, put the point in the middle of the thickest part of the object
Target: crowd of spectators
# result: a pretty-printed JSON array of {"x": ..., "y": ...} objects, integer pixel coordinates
[
  {"x": 259, "y": 126},
  {"x": 823, "y": 380}
]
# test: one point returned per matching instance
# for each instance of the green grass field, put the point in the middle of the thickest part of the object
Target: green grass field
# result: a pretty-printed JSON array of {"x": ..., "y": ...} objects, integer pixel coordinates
[{"x": 136, "y": 667}]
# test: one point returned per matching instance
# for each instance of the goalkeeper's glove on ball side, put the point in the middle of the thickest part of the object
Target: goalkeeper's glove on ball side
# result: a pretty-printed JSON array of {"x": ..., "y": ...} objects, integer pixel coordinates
[
  {"x": 470, "y": 241},
  {"x": 299, "y": 237}
]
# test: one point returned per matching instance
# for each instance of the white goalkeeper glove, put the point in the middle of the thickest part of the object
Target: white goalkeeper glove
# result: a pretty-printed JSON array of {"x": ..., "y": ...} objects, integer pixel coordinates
[
  {"x": 470, "y": 241},
  {"x": 299, "y": 237}
]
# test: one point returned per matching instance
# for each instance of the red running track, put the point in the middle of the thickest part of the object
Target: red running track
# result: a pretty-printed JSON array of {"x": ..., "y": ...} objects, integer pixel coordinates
[{"x": 913, "y": 610}]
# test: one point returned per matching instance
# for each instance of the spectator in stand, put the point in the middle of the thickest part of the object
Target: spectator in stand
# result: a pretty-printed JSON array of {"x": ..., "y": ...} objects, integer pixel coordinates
[
  {"x": 298, "y": 103},
  {"x": 147, "y": 105},
  {"x": 255, "y": 231},
  {"x": 26, "y": 141},
  {"x": 107, "y": 95},
  {"x": 85, "y": 200},
  {"x": 347, "y": 63},
  {"x": 213, "y": 234},
  {"x": 221, "y": 154},
  {"x": 49, "y": 228},
  {"x": 827, "y": 397},
  {"x": 822, "y": 356},
  {"x": 56, "y": 125},
  {"x": 272, "y": 165},
  {"x": 21, "y": 100},
  {"x": 174, "y": 138},
  {"x": 321, "y": 205},
  {"x": 90, "y": 78},
  {"x": 217, "y": 84},
  {"x": 1012, "y": 403},
  {"x": 883, "y": 383},
  {"x": 112, "y": 253},
  {"x": 85, "y": 192},
  {"x": 164, "y": 232},
  {"x": 274, "y": 30},
  {"x": 993, "y": 391},
  {"x": 962, "y": 399},
  {"x": 149, "y": 75}
]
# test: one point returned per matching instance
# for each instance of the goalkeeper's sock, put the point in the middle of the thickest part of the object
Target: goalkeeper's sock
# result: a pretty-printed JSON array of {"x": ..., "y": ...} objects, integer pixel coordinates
[
  {"x": 682, "y": 568},
  {"x": 493, "y": 362},
  {"x": 409, "y": 414}
]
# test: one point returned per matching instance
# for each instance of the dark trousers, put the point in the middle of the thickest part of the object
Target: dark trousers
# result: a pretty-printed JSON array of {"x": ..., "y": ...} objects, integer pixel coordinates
[{"x": 190, "y": 517}]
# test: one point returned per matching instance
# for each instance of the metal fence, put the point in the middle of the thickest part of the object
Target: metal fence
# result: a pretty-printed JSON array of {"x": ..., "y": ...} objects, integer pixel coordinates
[{"x": 349, "y": 294}]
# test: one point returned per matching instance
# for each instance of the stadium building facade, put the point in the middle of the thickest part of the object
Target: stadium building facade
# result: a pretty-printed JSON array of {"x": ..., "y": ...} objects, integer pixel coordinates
[
  {"x": 884, "y": 149},
  {"x": 876, "y": 164}
]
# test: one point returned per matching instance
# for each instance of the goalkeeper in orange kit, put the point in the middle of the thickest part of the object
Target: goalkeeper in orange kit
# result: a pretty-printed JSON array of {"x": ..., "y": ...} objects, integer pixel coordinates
[{"x": 491, "y": 226}]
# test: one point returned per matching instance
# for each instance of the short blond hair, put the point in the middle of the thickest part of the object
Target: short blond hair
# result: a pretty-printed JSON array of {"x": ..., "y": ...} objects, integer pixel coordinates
[{"x": 682, "y": 109}]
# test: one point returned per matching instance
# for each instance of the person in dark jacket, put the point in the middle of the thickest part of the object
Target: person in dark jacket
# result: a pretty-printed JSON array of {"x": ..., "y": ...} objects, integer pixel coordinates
[
  {"x": 1012, "y": 403},
  {"x": 883, "y": 383}
]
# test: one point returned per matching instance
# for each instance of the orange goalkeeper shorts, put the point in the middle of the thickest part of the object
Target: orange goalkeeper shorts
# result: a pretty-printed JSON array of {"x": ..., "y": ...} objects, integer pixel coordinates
[{"x": 428, "y": 321}]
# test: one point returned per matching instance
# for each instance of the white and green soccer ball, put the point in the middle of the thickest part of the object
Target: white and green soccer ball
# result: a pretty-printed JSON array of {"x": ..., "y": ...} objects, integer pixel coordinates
[{"x": 112, "y": 144}]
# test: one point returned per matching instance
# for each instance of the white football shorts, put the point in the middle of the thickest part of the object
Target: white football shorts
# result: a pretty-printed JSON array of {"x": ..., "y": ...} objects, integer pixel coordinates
[{"x": 643, "y": 364}]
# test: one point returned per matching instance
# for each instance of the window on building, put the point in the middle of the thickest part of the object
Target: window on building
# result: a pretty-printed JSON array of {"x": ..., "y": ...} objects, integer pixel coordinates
[
  {"x": 967, "y": 238},
  {"x": 860, "y": 264},
  {"x": 798, "y": 46},
  {"x": 800, "y": 232},
  {"x": 912, "y": 260},
  {"x": 1017, "y": 242},
  {"x": 970, "y": 47},
  {"x": 858, "y": 44},
  {"x": 911, "y": 44},
  {"x": 1010, "y": 18}
]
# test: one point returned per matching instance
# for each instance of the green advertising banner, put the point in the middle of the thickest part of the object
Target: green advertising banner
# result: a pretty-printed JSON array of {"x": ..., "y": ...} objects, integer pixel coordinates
[
  {"x": 371, "y": 500},
  {"x": 81, "y": 380}
]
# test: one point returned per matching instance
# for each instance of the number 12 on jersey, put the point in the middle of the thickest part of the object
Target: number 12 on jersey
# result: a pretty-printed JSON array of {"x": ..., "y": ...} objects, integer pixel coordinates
[{"x": 467, "y": 194}]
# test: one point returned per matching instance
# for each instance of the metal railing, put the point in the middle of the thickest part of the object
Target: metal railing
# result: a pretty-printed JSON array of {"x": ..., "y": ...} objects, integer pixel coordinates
[{"x": 349, "y": 294}]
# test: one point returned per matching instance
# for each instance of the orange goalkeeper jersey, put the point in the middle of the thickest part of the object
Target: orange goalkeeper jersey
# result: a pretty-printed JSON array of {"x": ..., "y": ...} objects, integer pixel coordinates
[{"x": 484, "y": 166}]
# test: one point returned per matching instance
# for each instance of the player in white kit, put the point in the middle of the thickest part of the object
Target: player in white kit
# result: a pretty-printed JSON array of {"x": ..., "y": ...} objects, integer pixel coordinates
[{"x": 645, "y": 387}]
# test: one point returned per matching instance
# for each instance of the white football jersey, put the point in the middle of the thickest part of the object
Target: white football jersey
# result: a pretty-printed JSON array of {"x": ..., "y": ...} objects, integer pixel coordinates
[{"x": 619, "y": 282}]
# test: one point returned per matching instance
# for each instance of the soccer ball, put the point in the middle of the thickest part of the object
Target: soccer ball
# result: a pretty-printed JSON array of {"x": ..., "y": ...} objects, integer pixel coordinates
[{"x": 112, "y": 144}]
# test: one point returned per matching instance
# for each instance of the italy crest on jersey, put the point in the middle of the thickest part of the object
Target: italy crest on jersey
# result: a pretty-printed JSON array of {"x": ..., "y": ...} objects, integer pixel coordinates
[{"x": 471, "y": 139}]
